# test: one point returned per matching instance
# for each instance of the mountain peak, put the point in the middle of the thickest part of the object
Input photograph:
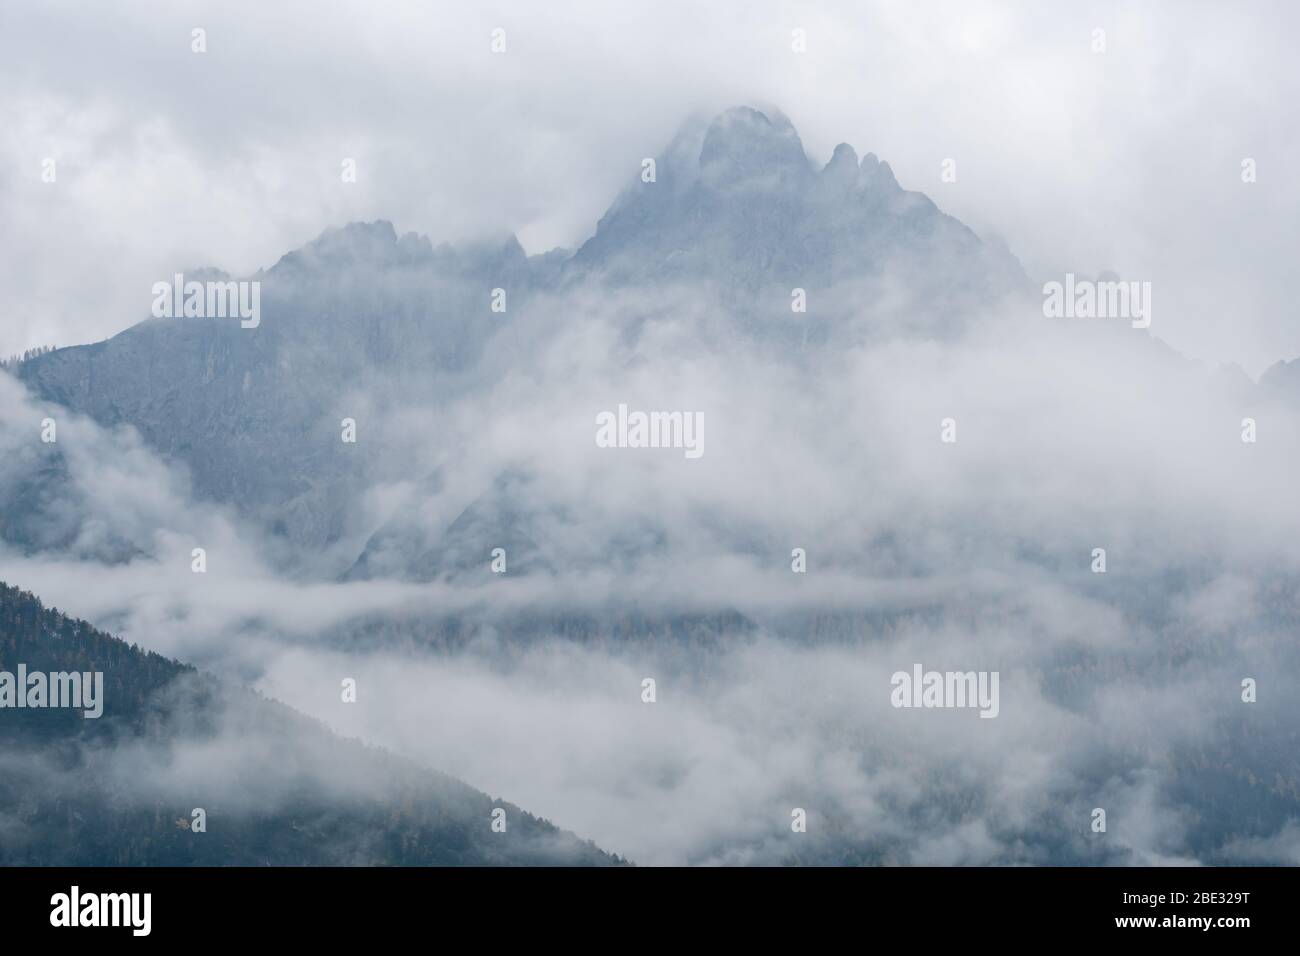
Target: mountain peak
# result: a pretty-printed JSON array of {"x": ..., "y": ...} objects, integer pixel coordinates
[
  {"x": 742, "y": 142},
  {"x": 380, "y": 232},
  {"x": 738, "y": 199},
  {"x": 844, "y": 155},
  {"x": 357, "y": 241},
  {"x": 843, "y": 165},
  {"x": 874, "y": 173}
]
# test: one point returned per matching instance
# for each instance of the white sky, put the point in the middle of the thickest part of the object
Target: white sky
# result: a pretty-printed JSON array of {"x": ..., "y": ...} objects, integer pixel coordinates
[{"x": 1128, "y": 160}]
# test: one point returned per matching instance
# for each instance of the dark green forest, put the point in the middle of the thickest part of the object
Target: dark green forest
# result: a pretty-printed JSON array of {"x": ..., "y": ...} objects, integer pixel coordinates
[{"x": 277, "y": 788}]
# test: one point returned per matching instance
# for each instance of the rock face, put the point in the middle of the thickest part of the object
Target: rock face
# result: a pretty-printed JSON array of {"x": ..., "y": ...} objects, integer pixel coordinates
[
  {"x": 740, "y": 203},
  {"x": 255, "y": 414}
]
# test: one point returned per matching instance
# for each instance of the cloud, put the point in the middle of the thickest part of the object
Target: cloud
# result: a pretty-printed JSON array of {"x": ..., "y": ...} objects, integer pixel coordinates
[
  {"x": 1081, "y": 161},
  {"x": 1120, "y": 690},
  {"x": 973, "y": 556}
]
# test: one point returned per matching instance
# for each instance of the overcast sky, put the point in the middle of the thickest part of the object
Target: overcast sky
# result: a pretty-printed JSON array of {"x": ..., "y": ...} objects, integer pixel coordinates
[{"x": 1128, "y": 160}]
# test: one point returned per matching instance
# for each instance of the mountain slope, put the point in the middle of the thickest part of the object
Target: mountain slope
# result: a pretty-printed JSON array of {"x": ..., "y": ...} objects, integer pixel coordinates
[
  {"x": 362, "y": 320},
  {"x": 277, "y": 787},
  {"x": 739, "y": 202}
]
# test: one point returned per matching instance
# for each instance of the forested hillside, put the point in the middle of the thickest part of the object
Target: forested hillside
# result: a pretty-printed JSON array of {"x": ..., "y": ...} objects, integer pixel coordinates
[{"x": 275, "y": 787}]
